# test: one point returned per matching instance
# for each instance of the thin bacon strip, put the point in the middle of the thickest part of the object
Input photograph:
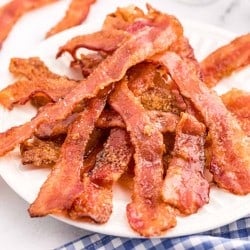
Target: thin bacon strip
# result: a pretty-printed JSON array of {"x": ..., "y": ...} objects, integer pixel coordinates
[
  {"x": 96, "y": 200},
  {"x": 238, "y": 102},
  {"x": 230, "y": 163},
  {"x": 142, "y": 45},
  {"x": 20, "y": 92},
  {"x": 12, "y": 11},
  {"x": 76, "y": 13},
  {"x": 104, "y": 40},
  {"x": 147, "y": 214},
  {"x": 225, "y": 60},
  {"x": 185, "y": 186},
  {"x": 64, "y": 184}
]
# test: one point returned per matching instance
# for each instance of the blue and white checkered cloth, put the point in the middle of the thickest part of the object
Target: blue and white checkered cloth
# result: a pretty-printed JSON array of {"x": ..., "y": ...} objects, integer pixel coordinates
[{"x": 233, "y": 236}]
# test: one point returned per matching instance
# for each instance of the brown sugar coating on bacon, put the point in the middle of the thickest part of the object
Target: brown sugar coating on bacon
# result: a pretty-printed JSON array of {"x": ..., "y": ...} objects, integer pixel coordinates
[
  {"x": 185, "y": 186},
  {"x": 64, "y": 184},
  {"x": 76, "y": 13},
  {"x": 40, "y": 153},
  {"x": 225, "y": 60},
  {"x": 238, "y": 102},
  {"x": 230, "y": 162},
  {"x": 142, "y": 45},
  {"x": 30, "y": 68},
  {"x": 147, "y": 214},
  {"x": 13, "y": 10},
  {"x": 111, "y": 162}
]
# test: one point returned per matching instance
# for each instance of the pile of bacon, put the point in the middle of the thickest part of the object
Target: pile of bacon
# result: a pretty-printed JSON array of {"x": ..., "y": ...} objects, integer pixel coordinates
[{"x": 144, "y": 111}]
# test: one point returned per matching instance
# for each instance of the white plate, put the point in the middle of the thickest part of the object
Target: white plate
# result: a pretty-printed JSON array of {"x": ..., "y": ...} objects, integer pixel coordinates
[{"x": 223, "y": 207}]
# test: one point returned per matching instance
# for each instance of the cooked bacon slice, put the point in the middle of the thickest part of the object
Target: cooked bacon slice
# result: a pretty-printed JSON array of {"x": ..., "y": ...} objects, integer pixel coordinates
[
  {"x": 31, "y": 68},
  {"x": 230, "y": 163},
  {"x": 40, "y": 153},
  {"x": 37, "y": 83},
  {"x": 225, "y": 60},
  {"x": 76, "y": 13},
  {"x": 104, "y": 40},
  {"x": 13, "y": 10},
  {"x": 142, "y": 45},
  {"x": 96, "y": 200},
  {"x": 238, "y": 102},
  {"x": 185, "y": 186},
  {"x": 147, "y": 214},
  {"x": 48, "y": 90},
  {"x": 64, "y": 184}
]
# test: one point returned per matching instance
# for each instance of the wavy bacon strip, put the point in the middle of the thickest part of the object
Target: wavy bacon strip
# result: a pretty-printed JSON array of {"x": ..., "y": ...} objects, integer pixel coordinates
[
  {"x": 96, "y": 200},
  {"x": 185, "y": 186},
  {"x": 76, "y": 13},
  {"x": 12, "y": 11},
  {"x": 142, "y": 45},
  {"x": 64, "y": 184},
  {"x": 238, "y": 102},
  {"x": 104, "y": 40},
  {"x": 230, "y": 163},
  {"x": 147, "y": 214},
  {"x": 225, "y": 60}
]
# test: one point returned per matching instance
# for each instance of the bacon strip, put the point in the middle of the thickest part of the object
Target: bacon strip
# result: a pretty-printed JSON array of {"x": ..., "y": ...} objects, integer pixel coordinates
[
  {"x": 147, "y": 214},
  {"x": 41, "y": 82},
  {"x": 225, "y": 60},
  {"x": 50, "y": 90},
  {"x": 64, "y": 184},
  {"x": 238, "y": 102},
  {"x": 230, "y": 163},
  {"x": 31, "y": 68},
  {"x": 96, "y": 200},
  {"x": 76, "y": 13},
  {"x": 12, "y": 11},
  {"x": 142, "y": 45},
  {"x": 104, "y": 40},
  {"x": 185, "y": 186}
]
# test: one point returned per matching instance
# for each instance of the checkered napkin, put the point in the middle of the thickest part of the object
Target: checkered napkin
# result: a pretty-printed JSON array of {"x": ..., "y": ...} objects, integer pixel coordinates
[{"x": 233, "y": 236}]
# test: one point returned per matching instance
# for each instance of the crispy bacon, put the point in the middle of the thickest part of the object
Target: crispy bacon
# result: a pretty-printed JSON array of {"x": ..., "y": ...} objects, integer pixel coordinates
[
  {"x": 31, "y": 68},
  {"x": 37, "y": 83},
  {"x": 40, "y": 153},
  {"x": 64, "y": 184},
  {"x": 225, "y": 60},
  {"x": 96, "y": 200},
  {"x": 185, "y": 186},
  {"x": 142, "y": 45},
  {"x": 76, "y": 13},
  {"x": 104, "y": 40},
  {"x": 230, "y": 163},
  {"x": 238, "y": 102},
  {"x": 13, "y": 10},
  {"x": 147, "y": 214}
]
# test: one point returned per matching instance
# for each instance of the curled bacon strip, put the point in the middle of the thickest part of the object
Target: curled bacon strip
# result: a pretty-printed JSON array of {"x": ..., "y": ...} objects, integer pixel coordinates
[
  {"x": 185, "y": 186},
  {"x": 12, "y": 11},
  {"x": 230, "y": 163},
  {"x": 96, "y": 200},
  {"x": 147, "y": 214},
  {"x": 76, "y": 13},
  {"x": 225, "y": 60},
  {"x": 64, "y": 184},
  {"x": 104, "y": 40},
  {"x": 142, "y": 45}
]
